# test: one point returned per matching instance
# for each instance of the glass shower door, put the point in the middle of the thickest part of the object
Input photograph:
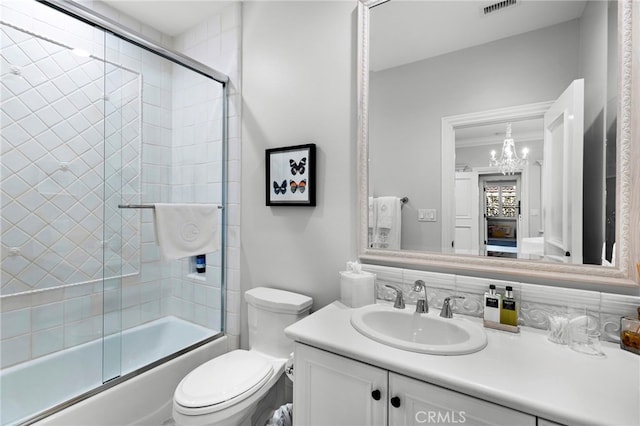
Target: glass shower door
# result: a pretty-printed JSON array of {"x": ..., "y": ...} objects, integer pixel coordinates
[
  {"x": 164, "y": 129},
  {"x": 92, "y": 122},
  {"x": 122, "y": 146},
  {"x": 52, "y": 216}
]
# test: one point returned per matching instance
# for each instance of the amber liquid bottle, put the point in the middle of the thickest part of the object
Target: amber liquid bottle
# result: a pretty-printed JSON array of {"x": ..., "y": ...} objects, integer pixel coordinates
[
  {"x": 509, "y": 308},
  {"x": 630, "y": 333}
]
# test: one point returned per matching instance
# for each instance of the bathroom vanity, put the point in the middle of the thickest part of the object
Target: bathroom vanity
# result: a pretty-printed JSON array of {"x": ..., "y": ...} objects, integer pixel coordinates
[{"x": 345, "y": 378}]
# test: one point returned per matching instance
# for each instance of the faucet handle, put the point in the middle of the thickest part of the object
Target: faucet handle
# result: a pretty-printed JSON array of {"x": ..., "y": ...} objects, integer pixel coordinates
[
  {"x": 399, "y": 302},
  {"x": 446, "y": 311}
]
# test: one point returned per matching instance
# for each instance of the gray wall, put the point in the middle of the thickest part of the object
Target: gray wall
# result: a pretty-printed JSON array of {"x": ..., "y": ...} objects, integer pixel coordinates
[
  {"x": 405, "y": 127},
  {"x": 298, "y": 87},
  {"x": 593, "y": 66}
]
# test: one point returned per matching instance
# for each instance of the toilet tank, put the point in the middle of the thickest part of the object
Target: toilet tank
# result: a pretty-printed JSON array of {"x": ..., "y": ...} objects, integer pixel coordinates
[{"x": 270, "y": 311}]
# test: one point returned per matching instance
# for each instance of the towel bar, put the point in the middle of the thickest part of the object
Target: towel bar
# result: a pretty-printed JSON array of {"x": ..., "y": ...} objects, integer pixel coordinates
[{"x": 143, "y": 206}]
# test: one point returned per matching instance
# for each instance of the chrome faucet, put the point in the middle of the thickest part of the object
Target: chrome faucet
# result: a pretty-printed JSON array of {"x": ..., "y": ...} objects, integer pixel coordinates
[
  {"x": 446, "y": 311},
  {"x": 399, "y": 302},
  {"x": 422, "y": 305}
]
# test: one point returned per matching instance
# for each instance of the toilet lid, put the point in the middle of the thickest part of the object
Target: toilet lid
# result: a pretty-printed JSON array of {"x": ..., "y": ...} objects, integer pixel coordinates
[{"x": 223, "y": 378}]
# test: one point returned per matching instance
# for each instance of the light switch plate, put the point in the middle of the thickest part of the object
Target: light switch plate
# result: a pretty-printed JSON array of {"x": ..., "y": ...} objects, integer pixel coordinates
[{"x": 427, "y": 215}]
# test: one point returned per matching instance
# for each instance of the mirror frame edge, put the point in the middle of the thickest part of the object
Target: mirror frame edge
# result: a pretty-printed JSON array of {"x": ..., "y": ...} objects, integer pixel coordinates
[{"x": 624, "y": 275}]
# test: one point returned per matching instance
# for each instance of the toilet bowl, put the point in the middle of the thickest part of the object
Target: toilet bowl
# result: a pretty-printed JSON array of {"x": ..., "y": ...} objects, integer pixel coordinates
[{"x": 242, "y": 387}]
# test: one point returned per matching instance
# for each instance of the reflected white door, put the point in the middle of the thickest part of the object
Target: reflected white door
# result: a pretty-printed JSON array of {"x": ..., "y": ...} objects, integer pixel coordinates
[
  {"x": 562, "y": 176},
  {"x": 466, "y": 239}
]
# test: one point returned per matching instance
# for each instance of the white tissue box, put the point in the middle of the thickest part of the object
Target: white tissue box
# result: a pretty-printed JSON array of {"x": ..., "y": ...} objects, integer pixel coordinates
[{"x": 357, "y": 289}]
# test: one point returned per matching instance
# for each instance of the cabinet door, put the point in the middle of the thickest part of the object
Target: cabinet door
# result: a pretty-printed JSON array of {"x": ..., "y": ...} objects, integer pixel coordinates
[
  {"x": 420, "y": 403},
  {"x": 332, "y": 390}
]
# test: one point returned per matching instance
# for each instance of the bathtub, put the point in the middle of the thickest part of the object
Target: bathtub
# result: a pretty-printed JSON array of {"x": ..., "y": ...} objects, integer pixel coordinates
[{"x": 134, "y": 398}]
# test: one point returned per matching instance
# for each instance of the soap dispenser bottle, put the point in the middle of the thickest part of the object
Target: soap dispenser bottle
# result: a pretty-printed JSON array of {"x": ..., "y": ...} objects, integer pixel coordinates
[
  {"x": 201, "y": 263},
  {"x": 509, "y": 308},
  {"x": 492, "y": 305}
]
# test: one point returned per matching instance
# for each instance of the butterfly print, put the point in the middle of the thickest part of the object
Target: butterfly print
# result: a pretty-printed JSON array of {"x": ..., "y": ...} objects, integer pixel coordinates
[
  {"x": 280, "y": 189},
  {"x": 300, "y": 186},
  {"x": 298, "y": 168}
]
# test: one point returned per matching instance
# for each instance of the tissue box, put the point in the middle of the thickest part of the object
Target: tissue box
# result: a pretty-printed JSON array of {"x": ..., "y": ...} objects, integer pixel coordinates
[{"x": 357, "y": 289}]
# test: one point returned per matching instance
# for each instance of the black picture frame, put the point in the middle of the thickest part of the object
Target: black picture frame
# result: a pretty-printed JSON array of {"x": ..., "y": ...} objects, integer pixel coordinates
[{"x": 291, "y": 175}]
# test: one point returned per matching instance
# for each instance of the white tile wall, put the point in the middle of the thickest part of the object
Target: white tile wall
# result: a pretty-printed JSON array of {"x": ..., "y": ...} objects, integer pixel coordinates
[
  {"x": 54, "y": 319},
  {"x": 216, "y": 42},
  {"x": 536, "y": 302},
  {"x": 47, "y": 341},
  {"x": 52, "y": 192}
]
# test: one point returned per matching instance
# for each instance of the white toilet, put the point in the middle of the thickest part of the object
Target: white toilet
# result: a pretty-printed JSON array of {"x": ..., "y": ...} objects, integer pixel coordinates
[{"x": 243, "y": 387}]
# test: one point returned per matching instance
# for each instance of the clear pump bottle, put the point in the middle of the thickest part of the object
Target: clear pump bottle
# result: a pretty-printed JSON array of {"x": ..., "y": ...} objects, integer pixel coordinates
[{"x": 492, "y": 305}]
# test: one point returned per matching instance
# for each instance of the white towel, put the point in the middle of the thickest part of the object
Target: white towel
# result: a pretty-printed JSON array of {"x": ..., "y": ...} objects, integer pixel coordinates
[
  {"x": 184, "y": 230},
  {"x": 387, "y": 232},
  {"x": 388, "y": 210},
  {"x": 372, "y": 213}
]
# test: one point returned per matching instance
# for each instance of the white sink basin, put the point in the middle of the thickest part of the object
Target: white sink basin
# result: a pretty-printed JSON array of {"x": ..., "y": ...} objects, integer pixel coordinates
[{"x": 425, "y": 333}]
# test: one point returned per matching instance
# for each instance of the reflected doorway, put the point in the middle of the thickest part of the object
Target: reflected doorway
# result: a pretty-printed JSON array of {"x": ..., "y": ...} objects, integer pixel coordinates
[{"x": 500, "y": 214}]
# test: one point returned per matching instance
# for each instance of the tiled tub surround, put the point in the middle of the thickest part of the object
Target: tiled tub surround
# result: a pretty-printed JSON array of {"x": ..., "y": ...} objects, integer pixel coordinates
[
  {"x": 215, "y": 42},
  {"x": 175, "y": 165},
  {"x": 59, "y": 130},
  {"x": 39, "y": 323},
  {"x": 536, "y": 302},
  {"x": 170, "y": 150}
]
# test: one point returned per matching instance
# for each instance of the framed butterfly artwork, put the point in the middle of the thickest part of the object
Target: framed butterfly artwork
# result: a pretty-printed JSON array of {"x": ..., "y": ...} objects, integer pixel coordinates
[{"x": 291, "y": 175}]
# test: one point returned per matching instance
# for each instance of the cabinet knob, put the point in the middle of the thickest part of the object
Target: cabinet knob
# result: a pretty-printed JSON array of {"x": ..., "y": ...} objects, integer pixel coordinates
[
  {"x": 376, "y": 395},
  {"x": 395, "y": 401}
]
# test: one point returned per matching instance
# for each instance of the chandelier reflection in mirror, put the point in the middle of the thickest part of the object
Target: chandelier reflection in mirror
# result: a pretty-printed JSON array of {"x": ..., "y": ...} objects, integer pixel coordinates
[{"x": 509, "y": 161}]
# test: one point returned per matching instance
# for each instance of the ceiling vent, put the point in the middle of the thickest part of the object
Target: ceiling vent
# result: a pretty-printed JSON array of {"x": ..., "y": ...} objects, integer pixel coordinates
[{"x": 492, "y": 8}]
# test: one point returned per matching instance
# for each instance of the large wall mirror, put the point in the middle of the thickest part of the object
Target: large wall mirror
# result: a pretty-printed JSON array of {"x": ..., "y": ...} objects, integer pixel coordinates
[{"x": 497, "y": 138}]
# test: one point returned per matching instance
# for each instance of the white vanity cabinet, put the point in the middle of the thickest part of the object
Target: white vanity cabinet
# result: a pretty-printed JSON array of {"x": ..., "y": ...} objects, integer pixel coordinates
[
  {"x": 422, "y": 403},
  {"x": 333, "y": 390}
]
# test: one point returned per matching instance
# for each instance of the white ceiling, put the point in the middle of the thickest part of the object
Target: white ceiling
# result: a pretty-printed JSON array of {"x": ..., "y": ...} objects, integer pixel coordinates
[
  {"x": 171, "y": 17},
  {"x": 490, "y": 134},
  {"x": 406, "y": 31},
  {"x": 401, "y": 31}
]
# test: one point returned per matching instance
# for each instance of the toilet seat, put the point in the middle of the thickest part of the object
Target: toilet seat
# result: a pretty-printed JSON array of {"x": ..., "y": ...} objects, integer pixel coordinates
[{"x": 222, "y": 382}]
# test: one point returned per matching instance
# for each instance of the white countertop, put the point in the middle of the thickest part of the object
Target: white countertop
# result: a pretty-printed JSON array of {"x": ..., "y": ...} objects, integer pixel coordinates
[{"x": 522, "y": 371}]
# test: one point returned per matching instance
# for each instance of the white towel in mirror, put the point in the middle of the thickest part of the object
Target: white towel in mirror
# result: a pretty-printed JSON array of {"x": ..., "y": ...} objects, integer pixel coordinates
[{"x": 387, "y": 231}]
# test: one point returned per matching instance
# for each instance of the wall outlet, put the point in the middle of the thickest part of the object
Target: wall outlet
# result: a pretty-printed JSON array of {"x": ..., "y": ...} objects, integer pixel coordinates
[{"x": 427, "y": 215}]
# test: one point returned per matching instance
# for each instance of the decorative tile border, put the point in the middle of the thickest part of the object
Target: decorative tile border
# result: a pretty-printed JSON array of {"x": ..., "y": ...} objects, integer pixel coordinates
[
  {"x": 438, "y": 286},
  {"x": 536, "y": 302},
  {"x": 612, "y": 307}
]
